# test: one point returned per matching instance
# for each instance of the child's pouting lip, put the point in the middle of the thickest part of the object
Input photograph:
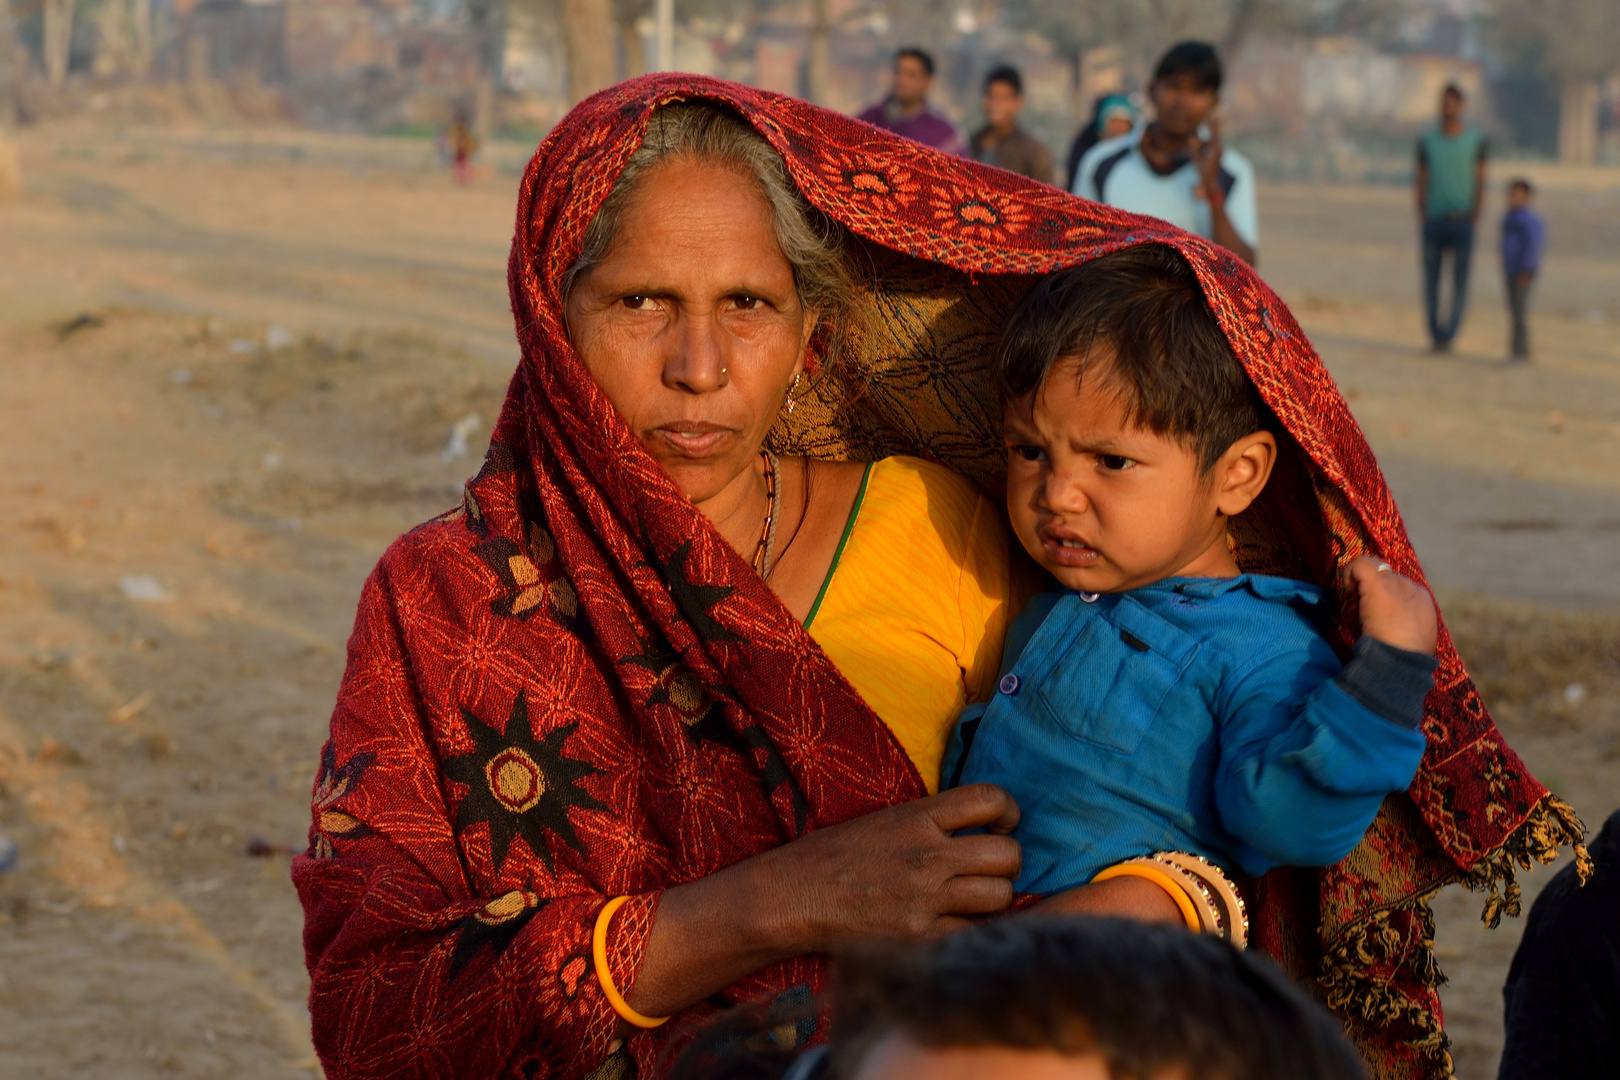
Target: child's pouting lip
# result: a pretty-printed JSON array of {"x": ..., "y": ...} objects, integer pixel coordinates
[{"x": 1067, "y": 547}]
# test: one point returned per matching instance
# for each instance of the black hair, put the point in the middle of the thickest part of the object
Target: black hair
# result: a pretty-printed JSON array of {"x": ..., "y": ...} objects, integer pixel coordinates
[
  {"x": 1171, "y": 365},
  {"x": 1145, "y": 998},
  {"x": 1008, "y": 74},
  {"x": 1519, "y": 183},
  {"x": 921, "y": 56},
  {"x": 1453, "y": 90},
  {"x": 1197, "y": 58}
]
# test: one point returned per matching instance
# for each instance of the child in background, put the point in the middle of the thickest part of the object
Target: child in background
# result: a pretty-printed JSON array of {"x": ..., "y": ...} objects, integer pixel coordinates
[
  {"x": 1164, "y": 714},
  {"x": 1522, "y": 236}
]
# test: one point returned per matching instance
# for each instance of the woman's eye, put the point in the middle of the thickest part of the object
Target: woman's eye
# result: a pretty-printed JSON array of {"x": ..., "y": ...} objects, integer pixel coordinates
[
  {"x": 1114, "y": 462},
  {"x": 636, "y": 303},
  {"x": 1027, "y": 453},
  {"x": 746, "y": 303}
]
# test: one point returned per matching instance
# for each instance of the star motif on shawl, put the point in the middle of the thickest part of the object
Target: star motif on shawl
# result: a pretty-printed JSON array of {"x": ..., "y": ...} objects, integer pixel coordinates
[
  {"x": 695, "y": 600},
  {"x": 495, "y": 925},
  {"x": 519, "y": 785}
]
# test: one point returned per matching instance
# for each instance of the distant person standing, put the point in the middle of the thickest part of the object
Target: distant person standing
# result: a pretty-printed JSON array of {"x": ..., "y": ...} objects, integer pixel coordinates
[
  {"x": 906, "y": 111},
  {"x": 1522, "y": 239},
  {"x": 1175, "y": 168},
  {"x": 1450, "y": 188},
  {"x": 1001, "y": 142},
  {"x": 463, "y": 144},
  {"x": 1112, "y": 116}
]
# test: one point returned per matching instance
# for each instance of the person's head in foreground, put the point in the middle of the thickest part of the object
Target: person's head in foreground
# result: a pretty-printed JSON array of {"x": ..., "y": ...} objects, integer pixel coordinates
[
  {"x": 913, "y": 76},
  {"x": 1133, "y": 434},
  {"x": 1003, "y": 98},
  {"x": 1186, "y": 88},
  {"x": 1079, "y": 999}
]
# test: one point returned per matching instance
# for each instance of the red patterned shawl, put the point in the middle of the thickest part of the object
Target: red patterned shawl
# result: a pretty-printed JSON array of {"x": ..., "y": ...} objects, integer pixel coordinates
[{"x": 572, "y": 688}]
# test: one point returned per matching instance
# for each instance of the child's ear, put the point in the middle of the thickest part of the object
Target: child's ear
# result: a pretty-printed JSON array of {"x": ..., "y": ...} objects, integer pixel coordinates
[{"x": 1243, "y": 470}]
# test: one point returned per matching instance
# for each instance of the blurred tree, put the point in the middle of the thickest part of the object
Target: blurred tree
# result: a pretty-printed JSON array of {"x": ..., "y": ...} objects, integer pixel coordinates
[
  {"x": 626, "y": 13},
  {"x": 58, "y": 39},
  {"x": 10, "y": 167},
  {"x": 588, "y": 32},
  {"x": 1577, "y": 43}
]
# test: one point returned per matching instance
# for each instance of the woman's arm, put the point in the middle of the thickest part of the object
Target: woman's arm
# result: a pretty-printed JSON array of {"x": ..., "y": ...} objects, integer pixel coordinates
[{"x": 897, "y": 873}]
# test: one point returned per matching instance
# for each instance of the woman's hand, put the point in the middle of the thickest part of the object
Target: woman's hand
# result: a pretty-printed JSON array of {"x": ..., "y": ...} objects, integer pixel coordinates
[
  {"x": 1122, "y": 897},
  {"x": 1394, "y": 609},
  {"x": 897, "y": 873}
]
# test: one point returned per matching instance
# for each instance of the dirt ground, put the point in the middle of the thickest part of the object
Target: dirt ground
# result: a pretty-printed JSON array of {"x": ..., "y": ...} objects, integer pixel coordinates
[{"x": 231, "y": 371}]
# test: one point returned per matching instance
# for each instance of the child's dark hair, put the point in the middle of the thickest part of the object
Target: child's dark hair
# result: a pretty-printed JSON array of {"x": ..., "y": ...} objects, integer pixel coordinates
[
  {"x": 1007, "y": 74},
  {"x": 1145, "y": 998},
  {"x": 1171, "y": 365},
  {"x": 1196, "y": 58},
  {"x": 1519, "y": 183}
]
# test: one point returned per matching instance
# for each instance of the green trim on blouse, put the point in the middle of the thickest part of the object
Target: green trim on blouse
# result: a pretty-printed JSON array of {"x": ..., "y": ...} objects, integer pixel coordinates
[{"x": 849, "y": 527}]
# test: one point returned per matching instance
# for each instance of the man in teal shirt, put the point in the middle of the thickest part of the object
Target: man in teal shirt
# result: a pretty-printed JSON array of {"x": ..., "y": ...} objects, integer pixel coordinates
[{"x": 1450, "y": 184}]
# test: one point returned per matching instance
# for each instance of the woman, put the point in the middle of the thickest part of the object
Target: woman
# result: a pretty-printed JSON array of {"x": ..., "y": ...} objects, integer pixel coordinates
[{"x": 589, "y": 769}]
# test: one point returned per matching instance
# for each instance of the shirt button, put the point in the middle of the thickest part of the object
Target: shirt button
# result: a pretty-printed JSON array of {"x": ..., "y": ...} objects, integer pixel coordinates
[{"x": 1009, "y": 684}]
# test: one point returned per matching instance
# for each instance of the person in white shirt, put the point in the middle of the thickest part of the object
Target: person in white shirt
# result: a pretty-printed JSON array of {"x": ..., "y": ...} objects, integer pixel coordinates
[{"x": 1175, "y": 167}]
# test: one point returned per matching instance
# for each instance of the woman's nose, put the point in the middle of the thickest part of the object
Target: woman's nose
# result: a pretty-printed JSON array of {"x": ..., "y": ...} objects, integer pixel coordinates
[{"x": 697, "y": 362}]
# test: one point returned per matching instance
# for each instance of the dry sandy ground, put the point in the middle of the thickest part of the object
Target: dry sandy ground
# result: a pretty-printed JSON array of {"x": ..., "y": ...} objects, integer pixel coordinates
[{"x": 188, "y": 515}]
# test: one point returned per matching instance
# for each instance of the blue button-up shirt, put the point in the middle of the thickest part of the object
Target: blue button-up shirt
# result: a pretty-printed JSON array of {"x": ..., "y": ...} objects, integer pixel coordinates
[{"x": 1193, "y": 714}]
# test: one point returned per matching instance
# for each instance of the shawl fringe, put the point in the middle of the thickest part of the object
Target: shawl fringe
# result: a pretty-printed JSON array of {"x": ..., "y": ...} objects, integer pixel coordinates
[{"x": 1357, "y": 967}]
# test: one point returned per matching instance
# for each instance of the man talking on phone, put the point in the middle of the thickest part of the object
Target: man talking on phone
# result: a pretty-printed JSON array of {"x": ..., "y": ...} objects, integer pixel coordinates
[{"x": 1175, "y": 167}]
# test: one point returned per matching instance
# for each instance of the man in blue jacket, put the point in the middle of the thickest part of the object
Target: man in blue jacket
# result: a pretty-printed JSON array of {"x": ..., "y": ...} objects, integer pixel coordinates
[{"x": 1522, "y": 237}]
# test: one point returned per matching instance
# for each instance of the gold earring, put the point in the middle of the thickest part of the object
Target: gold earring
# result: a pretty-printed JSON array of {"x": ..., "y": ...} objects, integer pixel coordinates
[{"x": 792, "y": 388}]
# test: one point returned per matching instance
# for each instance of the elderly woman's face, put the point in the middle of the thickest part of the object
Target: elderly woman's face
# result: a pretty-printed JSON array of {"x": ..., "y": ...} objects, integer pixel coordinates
[{"x": 691, "y": 325}]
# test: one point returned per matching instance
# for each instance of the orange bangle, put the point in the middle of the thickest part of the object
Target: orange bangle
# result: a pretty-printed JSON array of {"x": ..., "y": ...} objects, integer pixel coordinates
[
  {"x": 599, "y": 955},
  {"x": 1159, "y": 878}
]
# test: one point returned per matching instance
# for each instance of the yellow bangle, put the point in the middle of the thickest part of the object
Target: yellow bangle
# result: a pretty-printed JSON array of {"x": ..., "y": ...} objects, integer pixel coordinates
[
  {"x": 1159, "y": 878},
  {"x": 599, "y": 954}
]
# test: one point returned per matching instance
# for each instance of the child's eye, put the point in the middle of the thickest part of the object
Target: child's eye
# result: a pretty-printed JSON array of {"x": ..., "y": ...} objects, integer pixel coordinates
[
  {"x": 1114, "y": 462},
  {"x": 1027, "y": 453}
]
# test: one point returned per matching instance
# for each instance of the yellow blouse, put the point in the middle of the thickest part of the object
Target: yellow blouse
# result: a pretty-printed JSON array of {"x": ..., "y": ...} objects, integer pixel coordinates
[{"x": 917, "y": 602}]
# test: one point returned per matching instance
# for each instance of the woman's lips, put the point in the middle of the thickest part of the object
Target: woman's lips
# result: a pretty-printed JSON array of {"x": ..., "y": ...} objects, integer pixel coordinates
[{"x": 692, "y": 440}]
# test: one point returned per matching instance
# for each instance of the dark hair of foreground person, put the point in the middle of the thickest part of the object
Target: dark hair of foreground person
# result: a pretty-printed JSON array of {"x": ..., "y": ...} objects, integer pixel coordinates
[{"x": 1147, "y": 1000}]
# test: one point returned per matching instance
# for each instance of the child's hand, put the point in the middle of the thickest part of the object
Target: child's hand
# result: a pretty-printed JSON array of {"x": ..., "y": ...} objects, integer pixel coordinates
[{"x": 1394, "y": 609}]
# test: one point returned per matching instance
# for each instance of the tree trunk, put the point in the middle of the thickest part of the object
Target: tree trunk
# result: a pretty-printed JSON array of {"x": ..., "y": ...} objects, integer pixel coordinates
[
  {"x": 8, "y": 68},
  {"x": 1237, "y": 29},
  {"x": 818, "y": 73},
  {"x": 588, "y": 37},
  {"x": 58, "y": 39},
  {"x": 140, "y": 13},
  {"x": 1578, "y": 121},
  {"x": 635, "y": 55}
]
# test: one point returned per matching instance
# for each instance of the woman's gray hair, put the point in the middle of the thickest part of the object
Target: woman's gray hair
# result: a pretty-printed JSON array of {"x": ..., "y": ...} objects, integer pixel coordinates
[{"x": 813, "y": 244}]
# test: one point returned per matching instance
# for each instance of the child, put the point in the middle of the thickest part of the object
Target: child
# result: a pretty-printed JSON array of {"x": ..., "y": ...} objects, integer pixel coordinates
[
  {"x": 1521, "y": 257},
  {"x": 1162, "y": 701}
]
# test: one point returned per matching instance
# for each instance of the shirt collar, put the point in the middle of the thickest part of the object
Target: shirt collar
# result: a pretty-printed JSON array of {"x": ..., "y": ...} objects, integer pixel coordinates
[{"x": 1277, "y": 589}]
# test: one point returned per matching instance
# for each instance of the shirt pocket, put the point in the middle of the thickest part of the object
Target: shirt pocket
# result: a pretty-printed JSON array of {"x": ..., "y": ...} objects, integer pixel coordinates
[{"x": 1114, "y": 677}]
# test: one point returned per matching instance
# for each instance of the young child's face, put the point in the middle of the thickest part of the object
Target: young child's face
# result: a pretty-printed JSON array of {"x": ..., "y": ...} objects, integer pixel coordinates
[
  {"x": 1518, "y": 196},
  {"x": 1108, "y": 506}
]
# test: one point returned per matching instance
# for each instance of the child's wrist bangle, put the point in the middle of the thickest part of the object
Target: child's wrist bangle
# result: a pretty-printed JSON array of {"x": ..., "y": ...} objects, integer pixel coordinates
[
  {"x": 604, "y": 975},
  {"x": 1161, "y": 878}
]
